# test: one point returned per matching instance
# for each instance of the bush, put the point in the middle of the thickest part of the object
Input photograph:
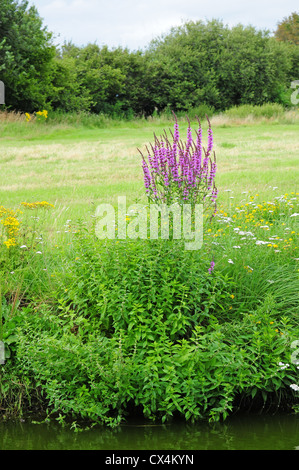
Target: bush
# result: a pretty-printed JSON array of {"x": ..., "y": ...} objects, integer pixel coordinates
[
  {"x": 143, "y": 326},
  {"x": 134, "y": 284},
  {"x": 139, "y": 356}
]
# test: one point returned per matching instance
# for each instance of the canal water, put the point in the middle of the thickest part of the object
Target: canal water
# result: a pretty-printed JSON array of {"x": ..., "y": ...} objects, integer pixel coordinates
[{"x": 239, "y": 432}]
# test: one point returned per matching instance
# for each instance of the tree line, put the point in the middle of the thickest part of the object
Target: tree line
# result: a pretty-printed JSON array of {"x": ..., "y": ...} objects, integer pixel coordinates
[{"x": 197, "y": 63}]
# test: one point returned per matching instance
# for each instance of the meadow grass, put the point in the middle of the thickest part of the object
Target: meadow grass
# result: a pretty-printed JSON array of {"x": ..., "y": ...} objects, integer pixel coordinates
[{"x": 75, "y": 167}]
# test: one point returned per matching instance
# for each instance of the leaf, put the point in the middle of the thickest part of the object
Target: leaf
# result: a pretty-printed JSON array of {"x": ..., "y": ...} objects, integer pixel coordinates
[{"x": 11, "y": 339}]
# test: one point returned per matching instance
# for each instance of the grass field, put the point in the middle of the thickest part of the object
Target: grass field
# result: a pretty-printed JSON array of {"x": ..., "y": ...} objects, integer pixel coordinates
[{"x": 75, "y": 168}]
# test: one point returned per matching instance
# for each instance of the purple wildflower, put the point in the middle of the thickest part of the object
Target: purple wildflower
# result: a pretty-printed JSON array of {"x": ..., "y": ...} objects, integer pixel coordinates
[
  {"x": 147, "y": 176},
  {"x": 198, "y": 151},
  {"x": 185, "y": 194},
  {"x": 212, "y": 174},
  {"x": 176, "y": 135},
  {"x": 178, "y": 171},
  {"x": 214, "y": 193},
  {"x": 211, "y": 268},
  {"x": 189, "y": 139},
  {"x": 210, "y": 139}
]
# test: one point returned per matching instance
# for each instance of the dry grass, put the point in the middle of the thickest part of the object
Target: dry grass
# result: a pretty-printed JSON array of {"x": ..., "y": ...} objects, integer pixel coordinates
[
  {"x": 12, "y": 116},
  {"x": 288, "y": 117},
  {"x": 55, "y": 165}
]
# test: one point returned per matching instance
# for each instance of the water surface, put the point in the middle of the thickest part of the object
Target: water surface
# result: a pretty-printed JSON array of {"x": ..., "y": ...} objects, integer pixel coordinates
[{"x": 240, "y": 432}]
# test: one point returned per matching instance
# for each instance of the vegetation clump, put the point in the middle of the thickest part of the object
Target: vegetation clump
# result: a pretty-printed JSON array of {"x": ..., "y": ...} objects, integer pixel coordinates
[{"x": 99, "y": 329}]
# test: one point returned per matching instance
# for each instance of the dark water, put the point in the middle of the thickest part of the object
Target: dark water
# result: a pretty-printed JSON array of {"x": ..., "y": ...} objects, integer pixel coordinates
[{"x": 240, "y": 432}]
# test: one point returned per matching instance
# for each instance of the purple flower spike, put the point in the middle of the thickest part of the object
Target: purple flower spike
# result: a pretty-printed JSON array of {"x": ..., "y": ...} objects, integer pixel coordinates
[
  {"x": 210, "y": 140},
  {"x": 211, "y": 268},
  {"x": 176, "y": 135},
  {"x": 147, "y": 176},
  {"x": 198, "y": 152},
  {"x": 177, "y": 171},
  {"x": 189, "y": 139}
]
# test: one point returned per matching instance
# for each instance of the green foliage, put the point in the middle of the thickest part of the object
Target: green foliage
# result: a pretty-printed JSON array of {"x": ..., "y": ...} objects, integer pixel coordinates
[
  {"x": 213, "y": 64},
  {"x": 81, "y": 372},
  {"x": 129, "y": 285},
  {"x": 187, "y": 57},
  {"x": 199, "y": 64},
  {"x": 102, "y": 81},
  {"x": 26, "y": 55},
  {"x": 142, "y": 326},
  {"x": 288, "y": 29},
  {"x": 69, "y": 94}
]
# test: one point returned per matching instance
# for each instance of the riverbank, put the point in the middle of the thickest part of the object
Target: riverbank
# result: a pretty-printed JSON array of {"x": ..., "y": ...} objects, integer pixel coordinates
[{"x": 96, "y": 330}]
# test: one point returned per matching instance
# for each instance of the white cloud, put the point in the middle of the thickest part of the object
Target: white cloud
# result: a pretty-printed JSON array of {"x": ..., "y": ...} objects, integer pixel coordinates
[{"x": 134, "y": 23}]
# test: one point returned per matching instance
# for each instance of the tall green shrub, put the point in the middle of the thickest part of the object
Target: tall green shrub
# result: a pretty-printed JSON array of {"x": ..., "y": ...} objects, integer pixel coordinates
[{"x": 26, "y": 55}]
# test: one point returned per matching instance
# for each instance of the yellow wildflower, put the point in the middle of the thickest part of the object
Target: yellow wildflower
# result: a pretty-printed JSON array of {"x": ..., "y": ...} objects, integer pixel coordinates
[{"x": 36, "y": 205}]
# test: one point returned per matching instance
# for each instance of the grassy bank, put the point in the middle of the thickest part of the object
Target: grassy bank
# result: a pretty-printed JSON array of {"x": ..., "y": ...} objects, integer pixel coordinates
[{"x": 99, "y": 330}]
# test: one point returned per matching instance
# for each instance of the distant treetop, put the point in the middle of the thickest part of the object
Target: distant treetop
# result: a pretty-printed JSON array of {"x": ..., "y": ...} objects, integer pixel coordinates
[{"x": 288, "y": 29}]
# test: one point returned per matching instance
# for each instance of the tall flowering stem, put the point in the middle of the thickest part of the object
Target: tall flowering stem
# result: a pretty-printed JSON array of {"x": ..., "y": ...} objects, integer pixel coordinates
[{"x": 181, "y": 172}]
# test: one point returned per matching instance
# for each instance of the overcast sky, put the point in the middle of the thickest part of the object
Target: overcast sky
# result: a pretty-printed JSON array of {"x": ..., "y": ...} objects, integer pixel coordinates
[{"x": 133, "y": 23}]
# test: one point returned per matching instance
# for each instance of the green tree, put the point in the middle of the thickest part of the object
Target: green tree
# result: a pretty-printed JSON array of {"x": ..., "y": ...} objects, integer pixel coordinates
[
  {"x": 287, "y": 33},
  {"x": 136, "y": 94},
  {"x": 252, "y": 68},
  {"x": 103, "y": 81},
  {"x": 209, "y": 63},
  {"x": 115, "y": 82},
  {"x": 187, "y": 61},
  {"x": 68, "y": 93},
  {"x": 26, "y": 55},
  {"x": 288, "y": 29}
]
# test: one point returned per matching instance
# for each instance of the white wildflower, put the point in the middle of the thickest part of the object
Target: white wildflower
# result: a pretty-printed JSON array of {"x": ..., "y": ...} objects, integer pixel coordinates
[
  {"x": 294, "y": 387},
  {"x": 248, "y": 234},
  {"x": 283, "y": 366}
]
